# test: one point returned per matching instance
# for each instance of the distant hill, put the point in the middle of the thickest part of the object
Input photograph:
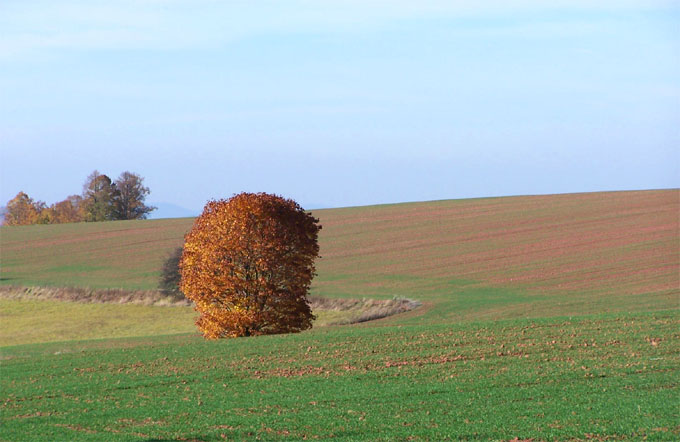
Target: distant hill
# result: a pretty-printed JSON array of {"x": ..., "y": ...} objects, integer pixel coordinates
[
  {"x": 486, "y": 257},
  {"x": 169, "y": 210}
]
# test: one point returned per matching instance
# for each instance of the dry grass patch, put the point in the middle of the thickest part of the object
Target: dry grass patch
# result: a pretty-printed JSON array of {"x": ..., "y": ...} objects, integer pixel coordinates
[
  {"x": 48, "y": 314},
  {"x": 93, "y": 296},
  {"x": 362, "y": 310},
  {"x": 354, "y": 310}
]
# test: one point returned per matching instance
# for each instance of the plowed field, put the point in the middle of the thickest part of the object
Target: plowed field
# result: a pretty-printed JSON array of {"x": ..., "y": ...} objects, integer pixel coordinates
[{"x": 491, "y": 257}]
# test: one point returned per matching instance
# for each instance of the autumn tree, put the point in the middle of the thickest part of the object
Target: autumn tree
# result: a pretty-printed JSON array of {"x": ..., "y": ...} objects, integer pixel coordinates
[
  {"x": 70, "y": 210},
  {"x": 23, "y": 210},
  {"x": 44, "y": 214},
  {"x": 248, "y": 263},
  {"x": 129, "y": 199},
  {"x": 98, "y": 197},
  {"x": 101, "y": 200}
]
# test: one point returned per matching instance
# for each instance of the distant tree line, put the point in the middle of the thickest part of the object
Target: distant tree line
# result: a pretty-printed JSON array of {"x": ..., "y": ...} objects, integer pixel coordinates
[{"x": 101, "y": 200}]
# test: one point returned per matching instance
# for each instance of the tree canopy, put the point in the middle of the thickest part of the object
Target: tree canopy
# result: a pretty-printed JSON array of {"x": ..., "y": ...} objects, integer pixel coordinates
[
  {"x": 128, "y": 201},
  {"x": 22, "y": 210},
  {"x": 248, "y": 263},
  {"x": 99, "y": 194},
  {"x": 102, "y": 200}
]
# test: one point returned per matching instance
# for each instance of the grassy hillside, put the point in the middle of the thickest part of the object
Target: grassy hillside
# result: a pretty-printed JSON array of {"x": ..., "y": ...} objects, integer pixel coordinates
[
  {"x": 478, "y": 258},
  {"x": 122, "y": 254},
  {"x": 544, "y": 318}
]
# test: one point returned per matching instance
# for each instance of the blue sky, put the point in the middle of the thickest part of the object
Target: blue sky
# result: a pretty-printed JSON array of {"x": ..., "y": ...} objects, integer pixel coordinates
[{"x": 339, "y": 103}]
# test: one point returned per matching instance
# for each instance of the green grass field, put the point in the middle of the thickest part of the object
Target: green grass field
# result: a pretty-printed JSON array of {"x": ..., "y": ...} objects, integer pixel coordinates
[
  {"x": 549, "y": 317},
  {"x": 28, "y": 321},
  {"x": 612, "y": 376}
]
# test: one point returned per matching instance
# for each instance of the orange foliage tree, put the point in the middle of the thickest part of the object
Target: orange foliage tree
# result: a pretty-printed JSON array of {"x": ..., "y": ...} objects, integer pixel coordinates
[
  {"x": 23, "y": 210},
  {"x": 248, "y": 263},
  {"x": 68, "y": 211}
]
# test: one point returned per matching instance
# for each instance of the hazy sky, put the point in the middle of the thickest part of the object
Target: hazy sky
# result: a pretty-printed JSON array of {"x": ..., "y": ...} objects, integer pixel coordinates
[{"x": 338, "y": 103}]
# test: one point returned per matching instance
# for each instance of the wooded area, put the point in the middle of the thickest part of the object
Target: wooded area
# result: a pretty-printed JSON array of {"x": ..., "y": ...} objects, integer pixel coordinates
[{"x": 101, "y": 200}]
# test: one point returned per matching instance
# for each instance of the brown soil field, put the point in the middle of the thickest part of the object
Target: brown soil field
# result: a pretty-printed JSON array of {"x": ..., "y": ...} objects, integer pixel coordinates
[{"x": 605, "y": 250}]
